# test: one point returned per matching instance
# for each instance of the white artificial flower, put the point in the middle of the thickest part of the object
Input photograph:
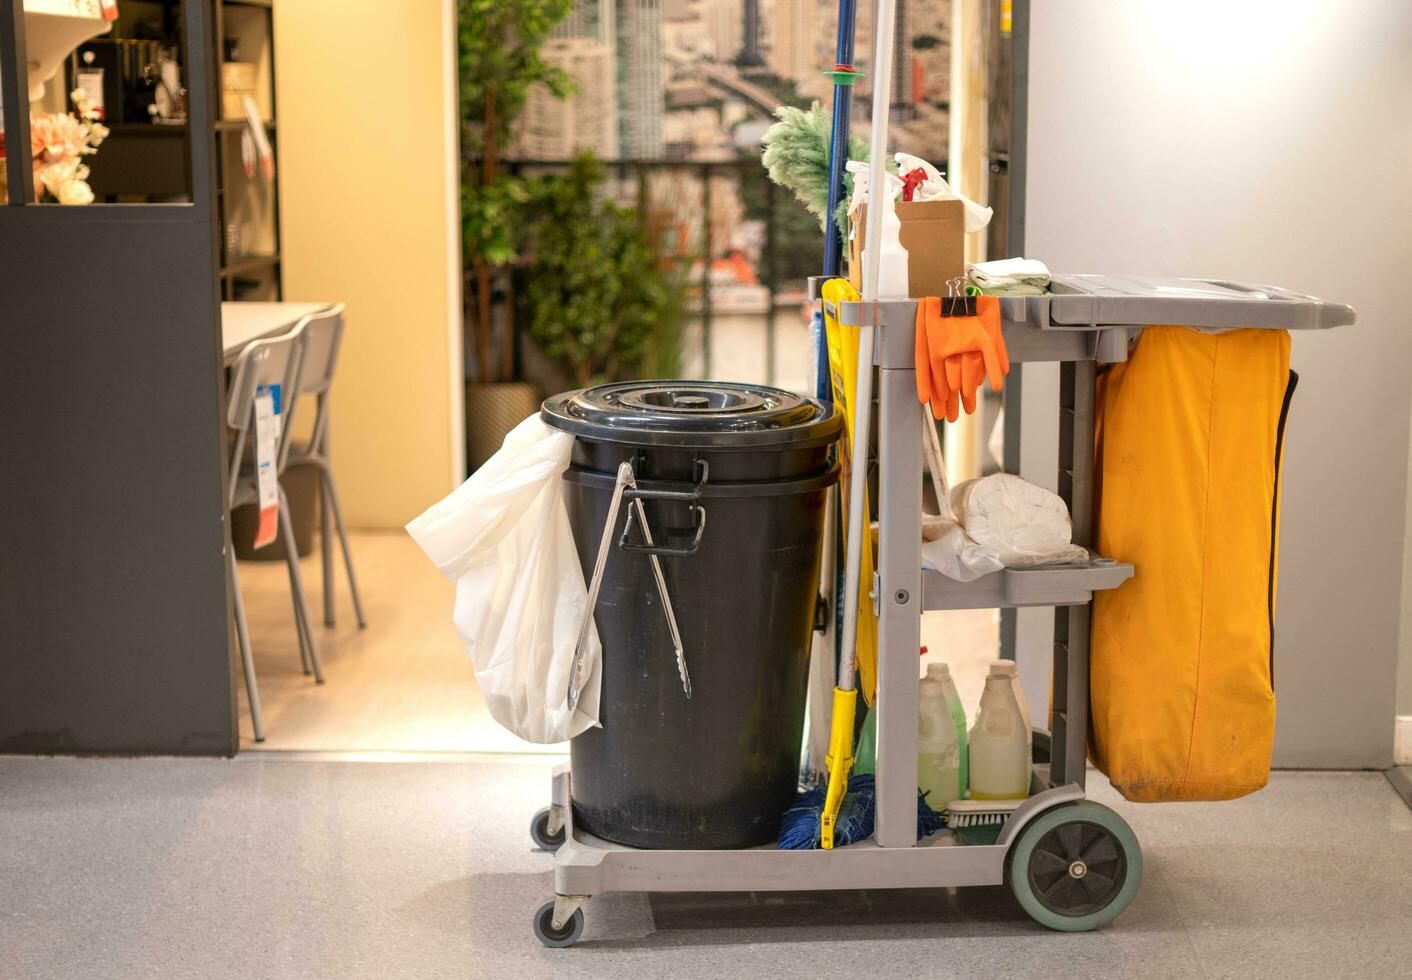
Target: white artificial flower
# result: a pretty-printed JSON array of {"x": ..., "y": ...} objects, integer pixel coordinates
[{"x": 75, "y": 192}]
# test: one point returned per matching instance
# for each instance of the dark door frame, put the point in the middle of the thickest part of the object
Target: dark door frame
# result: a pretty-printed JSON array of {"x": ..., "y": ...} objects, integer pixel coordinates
[{"x": 114, "y": 605}]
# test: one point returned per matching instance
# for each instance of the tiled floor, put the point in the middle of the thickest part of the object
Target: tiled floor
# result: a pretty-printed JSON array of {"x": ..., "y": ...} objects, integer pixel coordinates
[
  {"x": 267, "y": 867},
  {"x": 404, "y": 684}
]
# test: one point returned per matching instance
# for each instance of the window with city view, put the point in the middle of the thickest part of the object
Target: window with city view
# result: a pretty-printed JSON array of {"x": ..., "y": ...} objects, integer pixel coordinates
[{"x": 678, "y": 94}]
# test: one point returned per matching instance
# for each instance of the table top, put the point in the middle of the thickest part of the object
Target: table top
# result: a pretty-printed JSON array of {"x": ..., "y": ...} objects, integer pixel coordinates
[{"x": 244, "y": 322}]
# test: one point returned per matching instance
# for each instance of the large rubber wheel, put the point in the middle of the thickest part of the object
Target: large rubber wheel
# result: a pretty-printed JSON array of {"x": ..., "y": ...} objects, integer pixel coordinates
[
  {"x": 1075, "y": 867},
  {"x": 557, "y": 938},
  {"x": 539, "y": 832}
]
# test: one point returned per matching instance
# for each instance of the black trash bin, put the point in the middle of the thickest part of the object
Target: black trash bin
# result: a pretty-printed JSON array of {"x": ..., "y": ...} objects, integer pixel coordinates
[{"x": 748, "y": 469}]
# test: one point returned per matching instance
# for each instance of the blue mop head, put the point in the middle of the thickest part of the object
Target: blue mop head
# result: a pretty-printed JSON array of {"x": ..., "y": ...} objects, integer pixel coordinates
[{"x": 799, "y": 828}]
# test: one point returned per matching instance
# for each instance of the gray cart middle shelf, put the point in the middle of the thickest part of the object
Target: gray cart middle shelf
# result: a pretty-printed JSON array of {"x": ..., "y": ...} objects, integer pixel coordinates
[{"x": 1084, "y": 321}]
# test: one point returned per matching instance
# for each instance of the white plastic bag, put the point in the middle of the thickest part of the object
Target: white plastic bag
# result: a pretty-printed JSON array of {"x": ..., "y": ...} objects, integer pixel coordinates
[
  {"x": 1021, "y": 524},
  {"x": 947, "y": 549},
  {"x": 935, "y": 188},
  {"x": 503, "y": 537}
]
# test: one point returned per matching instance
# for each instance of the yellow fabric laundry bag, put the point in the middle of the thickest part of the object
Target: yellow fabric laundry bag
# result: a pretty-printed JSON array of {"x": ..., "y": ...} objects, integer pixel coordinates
[{"x": 1187, "y": 489}]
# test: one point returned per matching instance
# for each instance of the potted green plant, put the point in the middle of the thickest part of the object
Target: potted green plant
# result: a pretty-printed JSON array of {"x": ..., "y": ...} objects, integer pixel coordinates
[
  {"x": 499, "y": 45},
  {"x": 600, "y": 297}
]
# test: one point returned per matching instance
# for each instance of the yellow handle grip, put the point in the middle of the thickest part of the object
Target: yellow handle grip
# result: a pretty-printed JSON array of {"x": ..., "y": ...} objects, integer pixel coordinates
[{"x": 839, "y": 761}]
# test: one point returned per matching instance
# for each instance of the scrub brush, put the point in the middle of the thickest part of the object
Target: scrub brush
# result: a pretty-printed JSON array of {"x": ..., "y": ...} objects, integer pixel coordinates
[{"x": 979, "y": 821}]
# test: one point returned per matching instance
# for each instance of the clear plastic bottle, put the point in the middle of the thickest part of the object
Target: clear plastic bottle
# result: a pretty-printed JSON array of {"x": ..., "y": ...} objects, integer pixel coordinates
[
  {"x": 942, "y": 673},
  {"x": 1000, "y": 755},
  {"x": 938, "y": 752},
  {"x": 892, "y": 258},
  {"x": 1006, "y": 668}
]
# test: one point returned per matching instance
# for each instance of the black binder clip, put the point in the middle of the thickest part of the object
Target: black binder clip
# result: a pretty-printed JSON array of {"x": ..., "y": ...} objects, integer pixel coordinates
[{"x": 956, "y": 302}]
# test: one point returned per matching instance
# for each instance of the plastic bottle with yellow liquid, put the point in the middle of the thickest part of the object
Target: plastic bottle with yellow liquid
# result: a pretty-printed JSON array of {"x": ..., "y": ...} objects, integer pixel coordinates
[
  {"x": 938, "y": 751},
  {"x": 1007, "y": 668},
  {"x": 999, "y": 745}
]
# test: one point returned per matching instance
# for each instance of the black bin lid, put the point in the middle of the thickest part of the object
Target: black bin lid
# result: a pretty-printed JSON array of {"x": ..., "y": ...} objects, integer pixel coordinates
[{"x": 693, "y": 414}]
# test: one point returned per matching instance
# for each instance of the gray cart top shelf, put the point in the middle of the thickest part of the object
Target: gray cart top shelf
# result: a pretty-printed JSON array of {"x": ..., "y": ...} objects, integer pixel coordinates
[
  {"x": 1092, "y": 302},
  {"x": 1094, "y": 317}
]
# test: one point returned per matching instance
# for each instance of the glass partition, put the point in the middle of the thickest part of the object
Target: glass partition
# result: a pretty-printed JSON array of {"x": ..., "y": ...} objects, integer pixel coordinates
[{"x": 106, "y": 94}]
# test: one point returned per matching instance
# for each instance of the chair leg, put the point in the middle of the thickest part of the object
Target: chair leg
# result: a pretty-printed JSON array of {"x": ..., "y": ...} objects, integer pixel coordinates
[
  {"x": 291, "y": 564},
  {"x": 242, "y": 634},
  {"x": 326, "y": 547},
  {"x": 300, "y": 627},
  {"x": 332, "y": 491},
  {"x": 301, "y": 613}
]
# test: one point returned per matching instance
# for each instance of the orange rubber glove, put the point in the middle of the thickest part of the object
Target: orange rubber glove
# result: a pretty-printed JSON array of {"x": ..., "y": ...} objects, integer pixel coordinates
[
  {"x": 932, "y": 384},
  {"x": 976, "y": 366},
  {"x": 956, "y": 355},
  {"x": 948, "y": 339}
]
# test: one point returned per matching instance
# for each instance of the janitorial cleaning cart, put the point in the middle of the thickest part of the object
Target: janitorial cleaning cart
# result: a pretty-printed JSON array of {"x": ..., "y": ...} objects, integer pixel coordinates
[
  {"x": 1072, "y": 864},
  {"x": 643, "y": 570}
]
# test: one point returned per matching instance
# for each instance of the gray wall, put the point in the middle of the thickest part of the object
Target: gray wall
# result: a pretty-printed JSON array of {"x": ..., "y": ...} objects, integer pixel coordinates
[
  {"x": 1267, "y": 142},
  {"x": 1404, "y": 656},
  {"x": 113, "y": 607}
]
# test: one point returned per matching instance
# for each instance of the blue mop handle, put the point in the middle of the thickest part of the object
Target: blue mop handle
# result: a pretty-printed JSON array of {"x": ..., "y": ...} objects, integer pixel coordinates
[{"x": 838, "y": 159}]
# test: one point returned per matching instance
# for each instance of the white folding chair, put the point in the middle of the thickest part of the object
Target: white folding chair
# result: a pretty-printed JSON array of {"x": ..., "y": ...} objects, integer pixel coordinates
[
  {"x": 323, "y": 333},
  {"x": 272, "y": 361}
]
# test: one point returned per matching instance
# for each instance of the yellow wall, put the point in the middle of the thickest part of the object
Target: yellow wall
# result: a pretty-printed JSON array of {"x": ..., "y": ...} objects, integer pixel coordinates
[{"x": 369, "y": 213}]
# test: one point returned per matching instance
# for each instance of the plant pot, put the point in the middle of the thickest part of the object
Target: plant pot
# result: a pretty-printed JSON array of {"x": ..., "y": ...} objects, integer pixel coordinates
[
  {"x": 301, "y": 487},
  {"x": 492, "y": 410}
]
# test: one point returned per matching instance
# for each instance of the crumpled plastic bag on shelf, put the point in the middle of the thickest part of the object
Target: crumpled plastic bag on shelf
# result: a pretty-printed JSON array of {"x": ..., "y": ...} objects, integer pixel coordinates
[
  {"x": 947, "y": 548},
  {"x": 503, "y": 537},
  {"x": 1022, "y": 524}
]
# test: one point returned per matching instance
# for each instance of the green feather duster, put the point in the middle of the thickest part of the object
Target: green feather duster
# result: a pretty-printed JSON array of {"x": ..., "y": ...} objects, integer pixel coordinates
[{"x": 797, "y": 156}]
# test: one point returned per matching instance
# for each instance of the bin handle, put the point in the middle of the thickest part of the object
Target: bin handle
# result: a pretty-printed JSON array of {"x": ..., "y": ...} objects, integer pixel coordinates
[{"x": 638, "y": 515}]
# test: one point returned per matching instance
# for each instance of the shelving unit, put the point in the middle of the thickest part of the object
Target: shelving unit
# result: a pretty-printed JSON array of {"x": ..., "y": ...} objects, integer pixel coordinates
[
  {"x": 247, "y": 207},
  {"x": 146, "y": 162}
]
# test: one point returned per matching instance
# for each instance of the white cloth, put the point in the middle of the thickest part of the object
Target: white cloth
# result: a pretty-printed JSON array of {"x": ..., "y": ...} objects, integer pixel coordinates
[{"x": 1017, "y": 276}]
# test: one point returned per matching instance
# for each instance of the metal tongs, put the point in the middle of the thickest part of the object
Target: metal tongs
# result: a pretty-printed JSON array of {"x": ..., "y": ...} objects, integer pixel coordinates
[{"x": 626, "y": 480}]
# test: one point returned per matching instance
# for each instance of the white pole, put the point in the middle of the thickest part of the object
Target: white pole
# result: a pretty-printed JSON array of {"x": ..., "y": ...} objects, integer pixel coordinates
[{"x": 863, "y": 392}]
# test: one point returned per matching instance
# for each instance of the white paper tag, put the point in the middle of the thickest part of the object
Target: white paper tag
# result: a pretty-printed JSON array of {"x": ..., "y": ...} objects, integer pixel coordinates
[{"x": 267, "y": 430}]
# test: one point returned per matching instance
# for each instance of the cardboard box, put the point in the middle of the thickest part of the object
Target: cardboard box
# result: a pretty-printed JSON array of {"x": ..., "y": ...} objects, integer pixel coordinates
[{"x": 934, "y": 235}]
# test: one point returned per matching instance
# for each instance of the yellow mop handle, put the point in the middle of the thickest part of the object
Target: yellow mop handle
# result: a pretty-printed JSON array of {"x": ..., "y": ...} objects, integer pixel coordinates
[{"x": 839, "y": 761}]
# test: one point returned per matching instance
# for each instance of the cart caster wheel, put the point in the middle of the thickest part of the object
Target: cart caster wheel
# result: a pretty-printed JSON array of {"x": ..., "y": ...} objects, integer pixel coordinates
[
  {"x": 539, "y": 832},
  {"x": 557, "y": 938},
  {"x": 1075, "y": 867}
]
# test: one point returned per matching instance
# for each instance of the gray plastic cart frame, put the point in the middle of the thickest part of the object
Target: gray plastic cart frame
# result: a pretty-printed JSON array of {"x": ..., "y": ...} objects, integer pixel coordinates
[{"x": 1086, "y": 320}]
